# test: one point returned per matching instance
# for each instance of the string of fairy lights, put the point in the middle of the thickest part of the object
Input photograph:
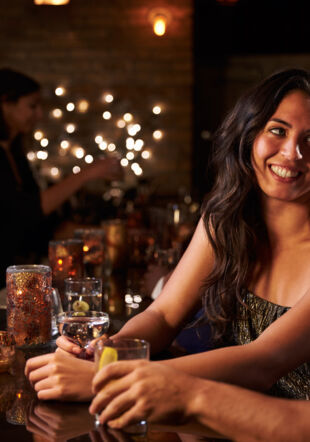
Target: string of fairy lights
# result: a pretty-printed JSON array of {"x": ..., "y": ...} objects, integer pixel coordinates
[{"x": 128, "y": 143}]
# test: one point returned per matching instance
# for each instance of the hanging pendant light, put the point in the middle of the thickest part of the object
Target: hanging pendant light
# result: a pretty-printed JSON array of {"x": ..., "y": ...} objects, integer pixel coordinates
[{"x": 51, "y": 2}]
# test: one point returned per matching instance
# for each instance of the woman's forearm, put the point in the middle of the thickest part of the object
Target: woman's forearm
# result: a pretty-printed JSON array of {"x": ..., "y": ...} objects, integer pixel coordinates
[
  {"x": 239, "y": 365},
  {"x": 54, "y": 196},
  {"x": 248, "y": 416}
]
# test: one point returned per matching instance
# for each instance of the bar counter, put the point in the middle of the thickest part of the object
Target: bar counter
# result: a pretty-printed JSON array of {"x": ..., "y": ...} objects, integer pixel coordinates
[{"x": 24, "y": 418}]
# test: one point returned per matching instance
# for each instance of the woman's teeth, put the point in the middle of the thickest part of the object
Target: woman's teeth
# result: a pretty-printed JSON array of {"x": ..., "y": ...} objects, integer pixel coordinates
[{"x": 283, "y": 172}]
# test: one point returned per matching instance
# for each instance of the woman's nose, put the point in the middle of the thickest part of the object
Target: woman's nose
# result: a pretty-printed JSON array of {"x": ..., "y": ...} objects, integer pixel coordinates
[{"x": 291, "y": 150}]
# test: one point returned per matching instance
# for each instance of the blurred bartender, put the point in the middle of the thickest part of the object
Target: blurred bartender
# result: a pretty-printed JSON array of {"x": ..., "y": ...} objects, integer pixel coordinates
[{"x": 26, "y": 210}]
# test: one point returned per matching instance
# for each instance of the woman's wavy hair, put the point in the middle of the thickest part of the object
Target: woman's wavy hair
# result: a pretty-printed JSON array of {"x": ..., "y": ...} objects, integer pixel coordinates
[
  {"x": 13, "y": 85},
  {"x": 231, "y": 210}
]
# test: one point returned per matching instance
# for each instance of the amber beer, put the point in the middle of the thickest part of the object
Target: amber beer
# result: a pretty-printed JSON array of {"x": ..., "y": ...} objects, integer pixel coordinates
[{"x": 29, "y": 304}]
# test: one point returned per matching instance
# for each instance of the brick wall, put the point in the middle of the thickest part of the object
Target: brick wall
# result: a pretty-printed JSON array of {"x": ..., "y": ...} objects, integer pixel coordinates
[{"x": 93, "y": 46}]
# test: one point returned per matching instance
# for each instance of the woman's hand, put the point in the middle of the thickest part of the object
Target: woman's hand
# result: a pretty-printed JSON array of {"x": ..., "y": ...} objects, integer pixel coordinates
[
  {"x": 60, "y": 376},
  {"x": 59, "y": 422},
  {"x": 108, "y": 168},
  {"x": 141, "y": 390}
]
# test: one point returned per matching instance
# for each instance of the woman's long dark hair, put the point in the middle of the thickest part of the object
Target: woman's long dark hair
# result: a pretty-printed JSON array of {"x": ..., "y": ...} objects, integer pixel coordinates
[
  {"x": 231, "y": 211},
  {"x": 13, "y": 85}
]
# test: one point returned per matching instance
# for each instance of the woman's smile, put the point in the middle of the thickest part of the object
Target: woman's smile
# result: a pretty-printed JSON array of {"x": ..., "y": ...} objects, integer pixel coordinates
[{"x": 281, "y": 151}]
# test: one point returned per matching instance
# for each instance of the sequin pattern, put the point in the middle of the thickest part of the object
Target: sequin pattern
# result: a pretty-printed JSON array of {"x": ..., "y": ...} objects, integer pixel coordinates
[{"x": 250, "y": 324}]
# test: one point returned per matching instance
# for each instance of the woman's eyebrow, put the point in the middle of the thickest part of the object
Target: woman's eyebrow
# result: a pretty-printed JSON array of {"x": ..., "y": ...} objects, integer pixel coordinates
[{"x": 278, "y": 120}]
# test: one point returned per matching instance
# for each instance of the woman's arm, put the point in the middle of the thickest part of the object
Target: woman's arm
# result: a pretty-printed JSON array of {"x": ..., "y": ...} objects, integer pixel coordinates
[
  {"x": 108, "y": 168},
  {"x": 283, "y": 346},
  {"x": 160, "y": 394},
  {"x": 179, "y": 299}
]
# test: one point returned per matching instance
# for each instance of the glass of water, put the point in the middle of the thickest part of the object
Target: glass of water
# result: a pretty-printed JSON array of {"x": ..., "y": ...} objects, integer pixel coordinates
[
  {"x": 83, "y": 327},
  {"x": 112, "y": 350},
  {"x": 83, "y": 294}
]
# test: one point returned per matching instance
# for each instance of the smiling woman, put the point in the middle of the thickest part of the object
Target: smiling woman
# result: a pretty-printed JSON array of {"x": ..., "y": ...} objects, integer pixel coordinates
[
  {"x": 281, "y": 152},
  {"x": 248, "y": 258}
]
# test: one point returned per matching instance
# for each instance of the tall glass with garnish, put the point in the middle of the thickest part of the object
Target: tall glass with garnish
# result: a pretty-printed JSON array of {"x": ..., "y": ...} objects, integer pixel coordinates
[
  {"x": 83, "y": 294},
  {"x": 112, "y": 350}
]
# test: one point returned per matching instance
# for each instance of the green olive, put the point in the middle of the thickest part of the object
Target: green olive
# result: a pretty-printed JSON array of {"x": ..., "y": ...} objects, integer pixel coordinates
[{"x": 80, "y": 306}]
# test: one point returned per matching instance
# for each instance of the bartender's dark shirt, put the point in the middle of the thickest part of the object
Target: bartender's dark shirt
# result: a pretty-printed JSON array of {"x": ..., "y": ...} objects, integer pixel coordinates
[{"x": 22, "y": 221}]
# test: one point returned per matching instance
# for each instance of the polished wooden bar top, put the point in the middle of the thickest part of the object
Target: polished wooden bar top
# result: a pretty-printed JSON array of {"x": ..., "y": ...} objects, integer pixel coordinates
[{"x": 24, "y": 418}]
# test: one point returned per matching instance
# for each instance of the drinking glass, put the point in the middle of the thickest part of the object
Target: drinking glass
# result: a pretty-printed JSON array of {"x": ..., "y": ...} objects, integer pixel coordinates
[
  {"x": 94, "y": 252},
  {"x": 29, "y": 304},
  {"x": 84, "y": 294},
  {"x": 66, "y": 260},
  {"x": 83, "y": 327},
  {"x": 112, "y": 350},
  {"x": 7, "y": 350},
  {"x": 56, "y": 309}
]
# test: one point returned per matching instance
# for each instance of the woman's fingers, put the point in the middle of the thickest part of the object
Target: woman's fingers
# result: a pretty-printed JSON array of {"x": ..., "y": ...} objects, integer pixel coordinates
[
  {"x": 117, "y": 406},
  {"x": 36, "y": 363},
  {"x": 114, "y": 370},
  {"x": 68, "y": 346}
]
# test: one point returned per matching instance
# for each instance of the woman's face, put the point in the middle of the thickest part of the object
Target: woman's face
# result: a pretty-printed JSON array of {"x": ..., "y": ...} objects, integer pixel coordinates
[
  {"x": 281, "y": 151},
  {"x": 22, "y": 115}
]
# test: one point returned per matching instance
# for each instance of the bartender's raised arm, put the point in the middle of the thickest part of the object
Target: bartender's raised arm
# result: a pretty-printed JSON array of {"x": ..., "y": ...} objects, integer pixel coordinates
[{"x": 179, "y": 299}]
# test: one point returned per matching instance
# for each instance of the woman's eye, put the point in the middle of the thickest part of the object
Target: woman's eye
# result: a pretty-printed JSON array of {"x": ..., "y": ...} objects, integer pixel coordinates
[{"x": 277, "y": 131}]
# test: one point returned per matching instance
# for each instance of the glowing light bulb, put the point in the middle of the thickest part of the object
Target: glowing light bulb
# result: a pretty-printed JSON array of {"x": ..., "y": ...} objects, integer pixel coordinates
[
  {"x": 57, "y": 113},
  {"x": 130, "y": 143},
  {"x": 138, "y": 145},
  {"x": 89, "y": 159},
  {"x": 157, "y": 135},
  {"x": 59, "y": 91},
  {"x": 120, "y": 123},
  {"x": 108, "y": 98},
  {"x": 64, "y": 144},
  {"x": 146, "y": 154},
  {"x": 106, "y": 115},
  {"x": 44, "y": 142},
  {"x": 156, "y": 110},
  {"x": 79, "y": 152},
  {"x": 38, "y": 135},
  {"x": 70, "y": 128},
  {"x": 124, "y": 162},
  {"x": 159, "y": 25},
  {"x": 54, "y": 171},
  {"x": 103, "y": 145},
  {"x": 98, "y": 139},
  {"x": 70, "y": 107},
  {"x": 42, "y": 155},
  {"x": 76, "y": 169},
  {"x": 127, "y": 117},
  {"x": 82, "y": 106},
  {"x": 31, "y": 156},
  {"x": 111, "y": 147},
  {"x": 130, "y": 155}
]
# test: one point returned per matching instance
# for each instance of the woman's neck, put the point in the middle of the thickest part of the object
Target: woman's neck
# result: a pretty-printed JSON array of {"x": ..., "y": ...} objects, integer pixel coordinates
[{"x": 287, "y": 222}]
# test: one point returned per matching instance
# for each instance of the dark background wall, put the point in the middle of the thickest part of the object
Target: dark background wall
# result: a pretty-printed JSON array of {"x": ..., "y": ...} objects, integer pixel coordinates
[
  {"x": 234, "y": 48},
  {"x": 94, "y": 46},
  {"x": 212, "y": 52}
]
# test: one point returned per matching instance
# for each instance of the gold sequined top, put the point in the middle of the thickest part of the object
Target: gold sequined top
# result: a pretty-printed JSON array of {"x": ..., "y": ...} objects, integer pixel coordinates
[{"x": 250, "y": 324}]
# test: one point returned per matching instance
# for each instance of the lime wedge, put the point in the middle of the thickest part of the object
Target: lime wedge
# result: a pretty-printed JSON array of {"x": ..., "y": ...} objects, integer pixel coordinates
[{"x": 108, "y": 356}]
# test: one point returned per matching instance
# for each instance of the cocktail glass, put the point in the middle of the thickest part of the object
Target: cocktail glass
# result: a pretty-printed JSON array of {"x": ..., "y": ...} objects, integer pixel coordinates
[
  {"x": 84, "y": 294},
  {"x": 83, "y": 327},
  {"x": 112, "y": 350}
]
